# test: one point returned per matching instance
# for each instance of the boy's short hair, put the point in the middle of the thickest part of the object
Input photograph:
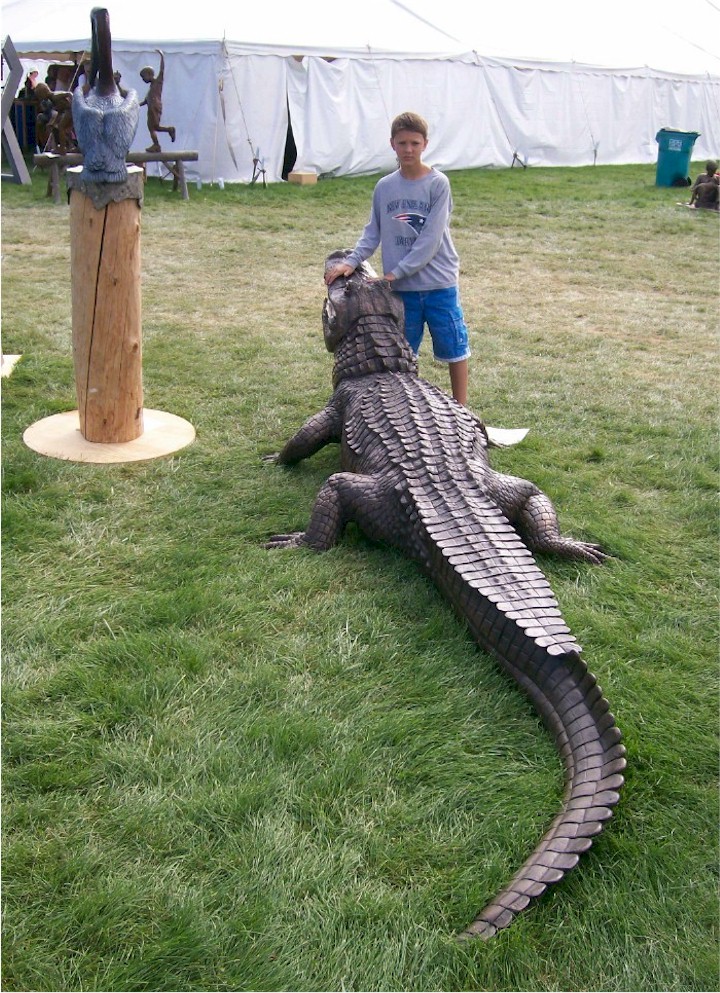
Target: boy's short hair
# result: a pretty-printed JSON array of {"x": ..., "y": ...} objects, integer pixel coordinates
[
  {"x": 408, "y": 121},
  {"x": 711, "y": 166}
]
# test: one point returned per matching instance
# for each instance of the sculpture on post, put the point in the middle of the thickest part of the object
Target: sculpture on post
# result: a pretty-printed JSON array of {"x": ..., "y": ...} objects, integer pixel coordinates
[
  {"x": 105, "y": 120},
  {"x": 105, "y": 266},
  {"x": 105, "y": 201},
  {"x": 153, "y": 102},
  {"x": 416, "y": 475}
]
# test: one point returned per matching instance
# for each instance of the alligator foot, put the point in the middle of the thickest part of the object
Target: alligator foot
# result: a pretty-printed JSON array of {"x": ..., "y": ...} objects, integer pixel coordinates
[
  {"x": 537, "y": 518},
  {"x": 569, "y": 548},
  {"x": 294, "y": 540}
]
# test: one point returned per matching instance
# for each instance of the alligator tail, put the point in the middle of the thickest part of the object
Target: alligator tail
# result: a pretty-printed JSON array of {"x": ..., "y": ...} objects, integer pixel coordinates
[
  {"x": 571, "y": 703},
  {"x": 520, "y": 625}
]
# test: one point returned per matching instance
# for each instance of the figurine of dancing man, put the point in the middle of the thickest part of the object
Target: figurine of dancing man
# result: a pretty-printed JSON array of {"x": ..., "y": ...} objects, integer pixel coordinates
[{"x": 153, "y": 102}]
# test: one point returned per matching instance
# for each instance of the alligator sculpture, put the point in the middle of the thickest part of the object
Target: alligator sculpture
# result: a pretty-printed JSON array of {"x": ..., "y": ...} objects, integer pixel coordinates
[{"x": 416, "y": 475}]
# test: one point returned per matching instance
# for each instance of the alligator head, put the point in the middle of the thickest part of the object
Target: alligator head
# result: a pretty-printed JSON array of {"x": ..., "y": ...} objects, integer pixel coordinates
[{"x": 352, "y": 298}]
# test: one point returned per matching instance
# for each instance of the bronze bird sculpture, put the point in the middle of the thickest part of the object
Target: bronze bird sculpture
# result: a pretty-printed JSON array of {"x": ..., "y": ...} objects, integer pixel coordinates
[{"x": 105, "y": 121}]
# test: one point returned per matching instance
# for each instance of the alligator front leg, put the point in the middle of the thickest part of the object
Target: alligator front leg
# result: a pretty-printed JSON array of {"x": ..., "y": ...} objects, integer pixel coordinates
[
  {"x": 319, "y": 430},
  {"x": 345, "y": 497},
  {"x": 534, "y": 515}
]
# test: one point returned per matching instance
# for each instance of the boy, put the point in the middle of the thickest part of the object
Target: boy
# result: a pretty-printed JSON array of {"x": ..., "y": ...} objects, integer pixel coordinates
[{"x": 410, "y": 219}]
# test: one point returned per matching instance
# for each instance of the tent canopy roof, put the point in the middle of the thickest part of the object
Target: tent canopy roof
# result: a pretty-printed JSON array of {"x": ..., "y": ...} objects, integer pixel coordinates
[{"x": 613, "y": 33}]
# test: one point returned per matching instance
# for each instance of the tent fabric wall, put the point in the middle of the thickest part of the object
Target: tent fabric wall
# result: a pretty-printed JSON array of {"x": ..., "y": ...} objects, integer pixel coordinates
[
  {"x": 584, "y": 115},
  {"x": 482, "y": 112},
  {"x": 225, "y": 106},
  {"x": 348, "y": 105},
  {"x": 230, "y": 101},
  {"x": 253, "y": 117}
]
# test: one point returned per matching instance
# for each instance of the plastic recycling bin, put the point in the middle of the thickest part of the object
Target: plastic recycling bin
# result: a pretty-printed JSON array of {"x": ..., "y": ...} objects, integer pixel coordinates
[{"x": 674, "y": 152}]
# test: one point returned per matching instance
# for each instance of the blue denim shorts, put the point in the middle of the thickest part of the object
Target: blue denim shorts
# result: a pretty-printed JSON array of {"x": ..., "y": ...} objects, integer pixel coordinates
[{"x": 441, "y": 311}]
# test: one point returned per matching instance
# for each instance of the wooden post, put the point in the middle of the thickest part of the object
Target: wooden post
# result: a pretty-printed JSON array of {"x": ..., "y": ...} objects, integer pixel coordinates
[
  {"x": 54, "y": 183},
  {"x": 107, "y": 311}
]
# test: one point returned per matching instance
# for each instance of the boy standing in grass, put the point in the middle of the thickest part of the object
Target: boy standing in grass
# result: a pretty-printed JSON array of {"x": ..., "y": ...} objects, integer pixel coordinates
[{"x": 410, "y": 220}]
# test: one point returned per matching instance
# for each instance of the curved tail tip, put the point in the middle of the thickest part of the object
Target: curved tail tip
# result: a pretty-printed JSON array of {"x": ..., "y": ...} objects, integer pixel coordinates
[{"x": 478, "y": 929}]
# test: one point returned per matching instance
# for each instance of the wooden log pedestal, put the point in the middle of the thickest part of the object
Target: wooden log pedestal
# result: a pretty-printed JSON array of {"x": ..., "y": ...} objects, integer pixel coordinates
[
  {"x": 107, "y": 308},
  {"x": 107, "y": 335}
]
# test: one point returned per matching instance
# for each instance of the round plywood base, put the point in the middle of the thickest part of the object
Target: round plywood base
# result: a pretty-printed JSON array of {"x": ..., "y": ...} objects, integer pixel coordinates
[
  {"x": 59, "y": 437},
  {"x": 9, "y": 362}
]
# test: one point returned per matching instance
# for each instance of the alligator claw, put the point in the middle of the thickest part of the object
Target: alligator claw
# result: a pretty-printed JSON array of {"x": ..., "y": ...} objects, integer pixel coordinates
[
  {"x": 294, "y": 540},
  {"x": 272, "y": 458},
  {"x": 588, "y": 552}
]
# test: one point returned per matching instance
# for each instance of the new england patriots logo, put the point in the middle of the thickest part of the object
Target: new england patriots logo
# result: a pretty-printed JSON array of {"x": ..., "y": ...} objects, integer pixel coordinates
[{"x": 415, "y": 221}]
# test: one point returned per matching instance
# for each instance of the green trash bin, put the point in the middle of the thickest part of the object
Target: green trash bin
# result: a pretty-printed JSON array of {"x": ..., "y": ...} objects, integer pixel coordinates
[{"x": 674, "y": 153}]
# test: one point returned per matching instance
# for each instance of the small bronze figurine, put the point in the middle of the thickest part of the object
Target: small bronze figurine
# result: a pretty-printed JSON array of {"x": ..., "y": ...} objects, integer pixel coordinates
[
  {"x": 54, "y": 120},
  {"x": 153, "y": 102}
]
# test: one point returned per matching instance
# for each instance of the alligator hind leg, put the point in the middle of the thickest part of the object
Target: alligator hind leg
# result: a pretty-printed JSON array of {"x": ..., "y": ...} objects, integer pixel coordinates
[
  {"x": 539, "y": 523},
  {"x": 533, "y": 513},
  {"x": 344, "y": 497}
]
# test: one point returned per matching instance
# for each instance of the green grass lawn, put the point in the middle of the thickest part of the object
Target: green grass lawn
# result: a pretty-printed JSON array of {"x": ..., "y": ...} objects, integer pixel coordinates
[{"x": 233, "y": 769}]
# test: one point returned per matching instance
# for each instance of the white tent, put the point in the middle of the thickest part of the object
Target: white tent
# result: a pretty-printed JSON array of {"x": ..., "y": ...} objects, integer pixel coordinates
[{"x": 498, "y": 83}]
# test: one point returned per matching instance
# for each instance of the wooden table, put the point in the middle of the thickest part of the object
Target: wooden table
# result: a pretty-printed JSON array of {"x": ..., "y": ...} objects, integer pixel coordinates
[{"x": 175, "y": 160}]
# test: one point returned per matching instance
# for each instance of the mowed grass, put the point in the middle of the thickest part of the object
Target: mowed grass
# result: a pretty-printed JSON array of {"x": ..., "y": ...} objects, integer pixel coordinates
[{"x": 233, "y": 769}]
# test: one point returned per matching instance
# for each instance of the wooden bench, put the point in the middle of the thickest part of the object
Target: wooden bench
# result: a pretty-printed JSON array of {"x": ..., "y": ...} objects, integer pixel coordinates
[{"x": 174, "y": 160}]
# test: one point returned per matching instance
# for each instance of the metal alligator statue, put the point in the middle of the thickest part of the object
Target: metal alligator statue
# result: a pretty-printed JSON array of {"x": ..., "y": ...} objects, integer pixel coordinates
[{"x": 416, "y": 475}]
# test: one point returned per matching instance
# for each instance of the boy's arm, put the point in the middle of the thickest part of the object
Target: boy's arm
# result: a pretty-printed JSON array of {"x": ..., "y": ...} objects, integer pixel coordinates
[
  {"x": 366, "y": 245},
  {"x": 368, "y": 240},
  {"x": 430, "y": 238}
]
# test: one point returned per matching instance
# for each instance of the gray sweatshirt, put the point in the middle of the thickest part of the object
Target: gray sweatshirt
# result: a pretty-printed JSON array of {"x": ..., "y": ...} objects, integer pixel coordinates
[{"x": 410, "y": 220}]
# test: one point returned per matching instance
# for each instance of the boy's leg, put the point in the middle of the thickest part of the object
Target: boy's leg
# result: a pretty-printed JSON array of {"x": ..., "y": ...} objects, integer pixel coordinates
[
  {"x": 450, "y": 337},
  {"x": 414, "y": 317},
  {"x": 459, "y": 380}
]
